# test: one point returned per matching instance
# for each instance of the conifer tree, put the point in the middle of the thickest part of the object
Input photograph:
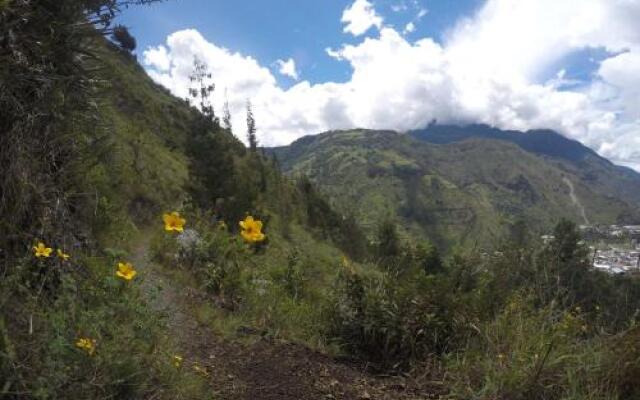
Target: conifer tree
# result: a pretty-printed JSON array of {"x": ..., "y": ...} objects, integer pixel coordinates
[
  {"x": 251, "y": 129},
  {"x": 211, "y": 167},
  {"x": 202, "y": 89},
  {"x": 226, "y": 114}
]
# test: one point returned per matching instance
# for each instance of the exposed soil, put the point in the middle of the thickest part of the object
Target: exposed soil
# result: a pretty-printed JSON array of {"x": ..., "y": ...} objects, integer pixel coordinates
[{"x": 266, "y": 369}]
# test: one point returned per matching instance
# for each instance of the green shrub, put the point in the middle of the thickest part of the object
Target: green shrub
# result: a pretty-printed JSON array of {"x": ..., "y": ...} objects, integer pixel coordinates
[
  {"x": 39, "y": 356},
  {"x": 291, "y": 277},
  {"x": 622, "y": 364},
  {"x": 390, "y": 322},
  {"x": 209, "y": 252},
  {"x": 529, "y": 353}
]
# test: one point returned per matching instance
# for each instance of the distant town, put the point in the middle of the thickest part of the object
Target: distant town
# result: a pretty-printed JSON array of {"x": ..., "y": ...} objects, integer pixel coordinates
[{"x": 616, "y": 248}]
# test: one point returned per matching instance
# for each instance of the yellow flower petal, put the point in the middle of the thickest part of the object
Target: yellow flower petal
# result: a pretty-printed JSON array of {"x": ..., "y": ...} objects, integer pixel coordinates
[
  {"x": 41, "y": 250},
  {"x": 86, "y": 344},
  {"x": 246, "y": 236},
  {"x": 126, "y": 271},
  {"x": 173, "y": 222},
  {"x": 62, "y": 255},
  {"x": 251, "y": 230}
]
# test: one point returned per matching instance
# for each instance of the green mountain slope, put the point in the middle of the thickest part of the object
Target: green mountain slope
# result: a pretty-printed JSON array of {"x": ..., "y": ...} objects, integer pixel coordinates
[
  {"x": 137, "y": 165},
  {"x": 598, "y": 172},
  {"x": 130, "y": 161},
  {"x": 104, "y": 297},
  {"x": 470, "y": 191}
]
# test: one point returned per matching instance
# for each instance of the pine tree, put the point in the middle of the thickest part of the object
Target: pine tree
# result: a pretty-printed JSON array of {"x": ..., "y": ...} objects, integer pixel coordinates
[
  {"x": 211, "y": 167},
  {"x": 202, "y": 89},
  {"x": 251, "y": 128},
  {"x": 226, "y": 114}
]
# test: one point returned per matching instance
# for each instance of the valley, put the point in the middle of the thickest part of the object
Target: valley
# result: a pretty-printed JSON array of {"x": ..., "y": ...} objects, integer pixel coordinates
[
  {"x": 450, "y": 192},
  {"x": 153, "y": 248}
]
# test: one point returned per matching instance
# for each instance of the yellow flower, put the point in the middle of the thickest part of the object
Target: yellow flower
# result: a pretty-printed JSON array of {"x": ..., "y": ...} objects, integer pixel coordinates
[
  {"x": 177, "y": 361},
  {"x": 348, "y": 266},
  {"x": 202, "y": 371},
  {"x": 345, "y": 261},
  {"x": 41, "y": 250},
  {"x": 126, "y": 271},
  {"x": 252, "y": 230},
  {"x": 86, "y": 344},
  {"x": 173, "y": 222},
  {"x": 62, "y": 255}
]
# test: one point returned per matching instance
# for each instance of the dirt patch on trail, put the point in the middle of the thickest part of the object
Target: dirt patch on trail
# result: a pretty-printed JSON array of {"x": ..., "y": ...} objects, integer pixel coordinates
[
  {"x": 289, "y": 371},
  {"x": 265, "y": 369},
  {"x": 272, "y": 370}
]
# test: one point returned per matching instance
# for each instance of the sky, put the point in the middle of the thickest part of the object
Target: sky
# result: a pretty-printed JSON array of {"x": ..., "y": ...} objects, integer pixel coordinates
[{"x": 309, "y": 66}]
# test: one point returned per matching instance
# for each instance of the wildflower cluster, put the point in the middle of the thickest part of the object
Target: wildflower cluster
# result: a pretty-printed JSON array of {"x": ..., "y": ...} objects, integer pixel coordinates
[
  {"x": 124, "y": 271},
  {"x": 177, "y": 361},
  {"x": 42, "y": 251},
  {"x": 86, "y": 344}
]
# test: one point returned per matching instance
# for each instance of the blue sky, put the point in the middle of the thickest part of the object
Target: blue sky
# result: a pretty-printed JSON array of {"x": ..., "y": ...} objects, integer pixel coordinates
[
  {"x": 279, "y": 29},
  {"x": 313, "y": 65}
]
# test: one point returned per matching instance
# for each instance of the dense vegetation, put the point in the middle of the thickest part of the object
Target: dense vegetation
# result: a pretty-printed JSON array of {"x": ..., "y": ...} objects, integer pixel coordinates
[
  {"x": 94, "y": 153},
  {"x": 580, "y": 161},
  {"x": 464, "y": 185}
]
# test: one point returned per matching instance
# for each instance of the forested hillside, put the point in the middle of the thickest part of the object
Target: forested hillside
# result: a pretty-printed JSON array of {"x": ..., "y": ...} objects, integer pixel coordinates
[
  {"x": 146, "y": 253},
  {"x": 470, "y": 189},
  {"x": 94, "y": 153},
  {"x": 600, "y": 174}
]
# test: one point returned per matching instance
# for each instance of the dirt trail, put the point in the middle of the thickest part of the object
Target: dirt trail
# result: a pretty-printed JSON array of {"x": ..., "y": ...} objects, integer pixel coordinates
[
  {"x": 576, "y": 200},
  {"x": 265, "y": 370}
]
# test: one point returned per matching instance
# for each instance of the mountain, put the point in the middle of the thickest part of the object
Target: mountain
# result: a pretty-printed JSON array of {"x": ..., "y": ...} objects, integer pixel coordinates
[
  {"x": 570, "y": 154},
  {"x": 464, "y": 185},
  {"x": 110, "y": 171},
  {"x": 143, "y": 243},
  {"x": 541, "y": 142}
]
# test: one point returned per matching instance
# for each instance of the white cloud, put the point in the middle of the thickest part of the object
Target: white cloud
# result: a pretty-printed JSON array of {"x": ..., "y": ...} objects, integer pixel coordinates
[
  {"x": 399, "y": 7},
  {"x": 623, "y": 73},
  {"x": 490, "y": 69},
  {"x": 157, "y": 58},
  {"x": 288, "y": 68},
  {"x": 360, "y": 17},
  {"x": 410, "y": 27}
]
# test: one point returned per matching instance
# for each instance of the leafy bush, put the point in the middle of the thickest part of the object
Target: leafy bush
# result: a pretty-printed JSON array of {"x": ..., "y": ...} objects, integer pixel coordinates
[
  {"x": 39, "y": 353},
  {"x": 622, "y": 364},
  {"x": 388, "y": 321},
  {"x": 529, "y": 353},
  {"x": 209, "y": 252}
]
